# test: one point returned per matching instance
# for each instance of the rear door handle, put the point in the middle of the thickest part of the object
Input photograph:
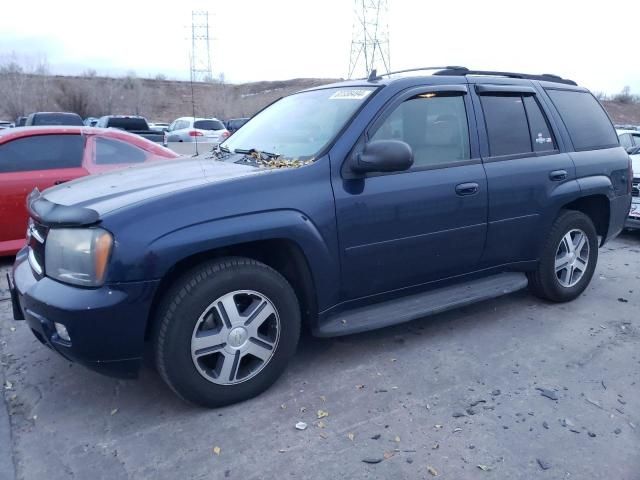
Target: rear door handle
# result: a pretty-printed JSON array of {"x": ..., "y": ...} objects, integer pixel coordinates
[
  {"x": 558, "y": 175},
  {"x": 467, "y": 189}
]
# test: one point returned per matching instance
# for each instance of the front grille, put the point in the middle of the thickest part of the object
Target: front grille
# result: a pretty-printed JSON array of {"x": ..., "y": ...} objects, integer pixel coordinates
[
  {"x": 635, "y": 189},
  {"x": 37, "y": 235}
]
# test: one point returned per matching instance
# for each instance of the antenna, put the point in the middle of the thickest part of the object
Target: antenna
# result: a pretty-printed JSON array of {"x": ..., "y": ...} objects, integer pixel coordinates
[
  {"x": 370, "y": 38},
  {"x": 193, "y": 102}
]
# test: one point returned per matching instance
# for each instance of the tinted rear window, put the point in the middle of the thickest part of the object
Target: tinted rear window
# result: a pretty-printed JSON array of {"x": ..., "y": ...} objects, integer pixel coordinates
[
  {"x": 57, "y": 119},
  {"x": 208, "y": 125},
  {"x": 507, "y": 126},
  {"x": 585, "y": 119},
  {"x": 128, "y": 123},
  {"x": 41, "y": 152}
]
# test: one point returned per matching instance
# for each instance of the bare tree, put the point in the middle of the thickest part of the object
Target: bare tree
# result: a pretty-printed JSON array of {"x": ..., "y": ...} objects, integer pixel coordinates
[
  {"x": 74, "y": 98},
  {"x": 13, "y": 83}
]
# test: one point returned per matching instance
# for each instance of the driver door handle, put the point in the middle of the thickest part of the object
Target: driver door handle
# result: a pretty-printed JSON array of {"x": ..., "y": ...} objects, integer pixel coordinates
[
  {"x": 464, "y": 189},
  {"x": 558, "y": 175}
]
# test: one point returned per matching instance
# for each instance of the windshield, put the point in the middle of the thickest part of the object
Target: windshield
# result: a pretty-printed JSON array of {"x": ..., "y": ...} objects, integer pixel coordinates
[
  {"x": 300, "y": 125},
  {"x": 208, "y": 125}
]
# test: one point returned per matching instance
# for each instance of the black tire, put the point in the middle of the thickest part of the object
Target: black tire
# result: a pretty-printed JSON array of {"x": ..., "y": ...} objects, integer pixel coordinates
[
  {"x": 189, "y": 297},
  {"x": 544, "y": 282}
]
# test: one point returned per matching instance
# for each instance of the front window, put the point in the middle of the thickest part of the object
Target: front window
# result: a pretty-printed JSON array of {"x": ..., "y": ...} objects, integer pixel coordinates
[{"x": 300, "y": 125}]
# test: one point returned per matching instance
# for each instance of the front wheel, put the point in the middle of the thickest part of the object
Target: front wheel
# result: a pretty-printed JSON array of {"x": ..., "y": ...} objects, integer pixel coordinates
[
  {"x": 568, "y": 259},
  {"x": 225, "y": 331}
]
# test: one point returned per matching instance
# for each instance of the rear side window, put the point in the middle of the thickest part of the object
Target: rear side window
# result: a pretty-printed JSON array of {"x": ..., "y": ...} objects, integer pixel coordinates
[
  {"x": 585, "y": 119},
  {"x": 41, "y": 152},
  {"x": 541, "y": 136},
  {"x": 625, "y": 140},
  {"x": 507, "y": 126},
  {"x": 112, "y": 152},
  {"x": 516, "y": 125},
  {"x": 208, "y": 125}
]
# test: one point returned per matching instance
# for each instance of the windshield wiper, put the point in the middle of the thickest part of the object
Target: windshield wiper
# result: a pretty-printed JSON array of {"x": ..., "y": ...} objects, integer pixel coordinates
[{"x": 259, "y": 153}]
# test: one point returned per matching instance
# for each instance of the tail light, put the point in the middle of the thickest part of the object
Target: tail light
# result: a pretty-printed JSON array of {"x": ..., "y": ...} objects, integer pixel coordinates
[
  {"x": 225, "y": 134},
  {"x": 195, "y": 133}
]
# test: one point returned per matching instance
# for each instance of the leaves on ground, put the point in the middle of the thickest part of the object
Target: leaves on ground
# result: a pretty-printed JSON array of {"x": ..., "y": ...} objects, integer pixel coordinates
[
  {"x": 432, "y": 470},
  {"x": 322, "y": 414},
  {"x": 216, "y": 450}
]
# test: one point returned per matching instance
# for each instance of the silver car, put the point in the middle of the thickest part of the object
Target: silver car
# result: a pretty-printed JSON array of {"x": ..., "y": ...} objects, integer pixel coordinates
[{"x": 190, "y": 129}]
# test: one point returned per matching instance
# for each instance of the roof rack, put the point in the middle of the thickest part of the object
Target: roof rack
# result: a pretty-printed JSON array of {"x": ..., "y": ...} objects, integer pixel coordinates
[
  {"x": 463, "y": 71},
  {"x": 374, "y": 74},
  {"x": 545, "y": 77}
]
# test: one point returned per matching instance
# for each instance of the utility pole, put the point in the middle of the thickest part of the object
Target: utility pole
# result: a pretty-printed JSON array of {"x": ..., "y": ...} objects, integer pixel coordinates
[
  {"x": 201, "y": 70},
  {"x": 370, "y": 38}
]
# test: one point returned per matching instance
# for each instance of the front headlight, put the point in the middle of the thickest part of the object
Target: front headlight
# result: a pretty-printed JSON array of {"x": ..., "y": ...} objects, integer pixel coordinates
[{"x": 78, "y": 255}]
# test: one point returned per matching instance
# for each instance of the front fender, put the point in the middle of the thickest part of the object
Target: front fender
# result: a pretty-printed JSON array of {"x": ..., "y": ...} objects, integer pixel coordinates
[{"x": 169, "y": 249}]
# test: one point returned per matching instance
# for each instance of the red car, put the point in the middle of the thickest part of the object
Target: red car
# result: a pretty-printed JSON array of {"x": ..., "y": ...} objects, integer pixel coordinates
[{"x": 44, "y": 156}]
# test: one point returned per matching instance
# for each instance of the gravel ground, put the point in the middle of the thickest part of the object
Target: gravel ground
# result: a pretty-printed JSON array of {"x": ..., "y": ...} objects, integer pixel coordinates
[{"x": 511, "y": 388}]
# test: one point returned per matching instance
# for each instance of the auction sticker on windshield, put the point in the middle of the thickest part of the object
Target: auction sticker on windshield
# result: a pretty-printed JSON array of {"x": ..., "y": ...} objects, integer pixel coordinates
[{"x": 350, "y": 94}]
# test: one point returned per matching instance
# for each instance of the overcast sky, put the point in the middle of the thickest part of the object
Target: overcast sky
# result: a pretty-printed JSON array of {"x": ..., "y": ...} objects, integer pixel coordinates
[{"x": 590, "y": 42}]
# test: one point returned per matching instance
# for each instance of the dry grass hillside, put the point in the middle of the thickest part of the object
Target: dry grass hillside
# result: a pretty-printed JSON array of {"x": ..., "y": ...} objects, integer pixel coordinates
[
  {"x": 158, "y": 100},
  {"x": 165, "y": 100}
]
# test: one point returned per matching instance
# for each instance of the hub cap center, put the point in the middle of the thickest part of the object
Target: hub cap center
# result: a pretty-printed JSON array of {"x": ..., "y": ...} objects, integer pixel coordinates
[{"x": 237, "y": 337}]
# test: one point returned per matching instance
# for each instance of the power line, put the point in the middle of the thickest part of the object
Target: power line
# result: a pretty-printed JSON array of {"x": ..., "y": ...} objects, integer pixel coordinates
[
  {"x": 370, "y": 38},
  {"x": 201, "y": 70}
]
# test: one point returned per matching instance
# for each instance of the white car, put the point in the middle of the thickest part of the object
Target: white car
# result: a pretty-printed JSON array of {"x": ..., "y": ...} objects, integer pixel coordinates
[
  {"x": 190, "y": 129},
  {"x": 159, "y": 126},
  {"x": 630, "y": 140}
]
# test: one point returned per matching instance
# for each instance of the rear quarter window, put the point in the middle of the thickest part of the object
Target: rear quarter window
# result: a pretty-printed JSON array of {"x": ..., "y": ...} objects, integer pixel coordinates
[
  {"x": 114, "y": 152},
  {"x": 585, "y": 119}
]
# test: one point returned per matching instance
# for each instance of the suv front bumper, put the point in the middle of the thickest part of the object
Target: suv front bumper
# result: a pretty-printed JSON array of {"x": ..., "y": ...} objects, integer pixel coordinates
[{"x": 106, "y": 325}]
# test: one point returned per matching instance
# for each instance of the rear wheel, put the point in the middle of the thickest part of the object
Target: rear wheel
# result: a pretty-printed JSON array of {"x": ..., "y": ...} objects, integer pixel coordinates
[
  {"x": 226, "y": 331},
  {"x": 568, "y": 259}
]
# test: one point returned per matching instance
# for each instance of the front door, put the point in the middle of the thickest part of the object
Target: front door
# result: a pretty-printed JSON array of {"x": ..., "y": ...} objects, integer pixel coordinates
[{"x": 404, "y": 229}]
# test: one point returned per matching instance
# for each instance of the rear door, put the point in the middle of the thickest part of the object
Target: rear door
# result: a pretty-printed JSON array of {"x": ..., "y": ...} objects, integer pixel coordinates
[
  {"x": 525, "y": 170},
  {"x": 28, "y": 162}
]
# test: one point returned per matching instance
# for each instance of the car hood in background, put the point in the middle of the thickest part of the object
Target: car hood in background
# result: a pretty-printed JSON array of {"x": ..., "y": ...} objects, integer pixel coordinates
[{"x": 107, "y": 192}]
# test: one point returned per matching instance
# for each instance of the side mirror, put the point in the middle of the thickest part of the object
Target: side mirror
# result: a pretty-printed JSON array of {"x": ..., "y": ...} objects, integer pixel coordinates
[
  {"x": 383, "y": 156},
  {"x": 633, "y": 150}
]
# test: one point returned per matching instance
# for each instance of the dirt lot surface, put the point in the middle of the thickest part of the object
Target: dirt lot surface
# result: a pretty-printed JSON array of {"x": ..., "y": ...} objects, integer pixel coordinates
[{"x": 513, "y": 388}]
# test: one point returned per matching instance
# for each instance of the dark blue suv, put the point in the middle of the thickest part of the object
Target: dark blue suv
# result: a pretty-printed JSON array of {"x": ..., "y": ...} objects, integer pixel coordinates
[{"x": 340, "y": 209}]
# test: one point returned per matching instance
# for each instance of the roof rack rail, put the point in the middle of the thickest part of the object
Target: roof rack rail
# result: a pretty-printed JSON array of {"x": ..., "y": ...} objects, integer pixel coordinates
[
  {"x": 374, "y": 74},
  {"x": 545, "y": 77}
]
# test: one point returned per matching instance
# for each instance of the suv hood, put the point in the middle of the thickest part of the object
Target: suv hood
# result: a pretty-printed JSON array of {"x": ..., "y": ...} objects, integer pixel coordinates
[{"x": 110, "y": 191}]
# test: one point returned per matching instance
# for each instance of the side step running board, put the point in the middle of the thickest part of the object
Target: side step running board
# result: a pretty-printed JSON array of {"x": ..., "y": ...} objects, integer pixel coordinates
[{"x": 420, "y": 305}]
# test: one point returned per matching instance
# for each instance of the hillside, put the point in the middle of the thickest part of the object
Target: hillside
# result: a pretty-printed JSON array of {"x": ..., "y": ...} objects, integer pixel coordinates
[
  {"x": 158, "y": 100},
  {"x": 165, "y": 100}
]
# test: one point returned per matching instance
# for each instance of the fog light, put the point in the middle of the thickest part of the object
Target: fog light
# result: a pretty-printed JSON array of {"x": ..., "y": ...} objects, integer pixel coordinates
[{"x": 62, "y": 332}]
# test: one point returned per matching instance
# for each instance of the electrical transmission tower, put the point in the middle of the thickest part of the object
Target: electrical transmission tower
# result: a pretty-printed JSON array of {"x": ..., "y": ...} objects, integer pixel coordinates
[
  {"x": 201, "y": 70},
  {"x": 370, "y": 38}
]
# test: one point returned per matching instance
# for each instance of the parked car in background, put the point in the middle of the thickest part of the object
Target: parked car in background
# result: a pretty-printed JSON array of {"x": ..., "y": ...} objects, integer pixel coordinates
[
  {"x": 629, "y": 138},
  {"x": 234, "y": 124},
  {"x": 633, "y": 221},
  {"x": 54, "y": 118},
  {"x": 90, "y": 121},
  {"x": 132, "y": 124},
  {"x": 190, "y": 129},
  {"x": 159, "y": 126},
  {"x": 344, "y": 208},
  {"x": 40, "y": 157},
  {"x": 6, "y": 124},
  {"x": 20, "y": 121}
]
